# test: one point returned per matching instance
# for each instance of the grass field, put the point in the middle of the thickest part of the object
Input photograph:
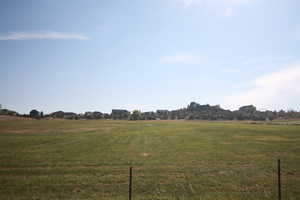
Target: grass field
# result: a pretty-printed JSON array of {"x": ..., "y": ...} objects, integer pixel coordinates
[{"x": 60, "y": 159}]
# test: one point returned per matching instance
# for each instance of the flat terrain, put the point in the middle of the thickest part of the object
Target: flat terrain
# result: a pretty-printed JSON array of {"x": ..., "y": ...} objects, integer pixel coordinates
[{"x": 60, "y": 159}]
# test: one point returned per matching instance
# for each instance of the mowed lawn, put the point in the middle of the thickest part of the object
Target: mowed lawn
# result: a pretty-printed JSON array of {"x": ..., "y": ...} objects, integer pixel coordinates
[{"x": 90, "y": 159}]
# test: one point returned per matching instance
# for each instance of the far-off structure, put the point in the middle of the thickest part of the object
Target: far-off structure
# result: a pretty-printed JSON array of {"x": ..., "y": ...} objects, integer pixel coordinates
[{"x": 120, "y": 114}]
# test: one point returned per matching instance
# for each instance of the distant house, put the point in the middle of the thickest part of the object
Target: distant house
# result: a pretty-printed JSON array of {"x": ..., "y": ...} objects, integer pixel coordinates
[
  {"x": 148, "y": 116},
  {"x": 162, "y": 114},
  {"x": 70, "y": 115},
  {"x": 120, "y": 114},
  {"x": 8, "y": 112},
  {"x": 93, "y": 115},
  {"x": 57, "y": 114}
]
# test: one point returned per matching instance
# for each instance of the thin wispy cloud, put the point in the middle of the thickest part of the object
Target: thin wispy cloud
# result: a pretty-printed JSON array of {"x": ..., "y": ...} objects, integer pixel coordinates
[
  {"x": 43, "y": 36},
  {"x": 295, "y": 34},
  {"x": 228, "y": 12},
  {"x": 180, "y": 59},
  {"x": 222, "y": 7},
  {"x": 230, "y": 70},
  {"x": 239, "y": 1},
  {"x": 188, "y": 3},
  {"x": 277, "y": 90}
]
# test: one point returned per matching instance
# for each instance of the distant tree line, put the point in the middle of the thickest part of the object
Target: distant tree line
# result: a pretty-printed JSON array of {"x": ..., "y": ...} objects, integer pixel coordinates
[{"x": 194, "y": 111}]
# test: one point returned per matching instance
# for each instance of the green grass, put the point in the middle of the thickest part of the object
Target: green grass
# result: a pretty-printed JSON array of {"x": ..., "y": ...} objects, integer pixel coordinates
[{"x": 62, "y": 159}]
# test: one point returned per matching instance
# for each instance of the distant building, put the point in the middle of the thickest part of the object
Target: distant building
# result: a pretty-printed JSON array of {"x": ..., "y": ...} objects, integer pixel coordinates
[
  {"x": 57, "y": 114},
  {"x": 148, "y": 116},
  {"x": 120, "y": 114},
  {"x": 93, "y": 115},
  {"x": 70, "y": 115},
  {"x": 162, "y": 114}
]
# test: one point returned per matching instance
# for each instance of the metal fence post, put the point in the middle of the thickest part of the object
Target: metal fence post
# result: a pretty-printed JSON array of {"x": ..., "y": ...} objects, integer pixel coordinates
[
  {"x": 279, "y": 179},
  {"x": 130, "y": 183}
]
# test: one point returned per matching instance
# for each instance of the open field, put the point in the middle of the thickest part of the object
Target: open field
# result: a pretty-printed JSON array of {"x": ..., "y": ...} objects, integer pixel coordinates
[{"x": 60, "y": 159}]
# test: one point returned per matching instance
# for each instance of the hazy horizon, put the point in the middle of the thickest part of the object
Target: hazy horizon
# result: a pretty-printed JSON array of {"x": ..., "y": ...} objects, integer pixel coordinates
[
  {"x": 132, "y": 109},
  {"x": 92, "y": 55}
]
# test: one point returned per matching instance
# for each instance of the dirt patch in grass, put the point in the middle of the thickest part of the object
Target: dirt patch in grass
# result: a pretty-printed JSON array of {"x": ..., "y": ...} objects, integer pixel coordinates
[
  {"x": 145, "y": 154},
  {"x": 24, "y": 131},
  {"x": 85, "y": 129},
  {"x": 71, "y": 130},
  {"x": 6, "y": 117}
]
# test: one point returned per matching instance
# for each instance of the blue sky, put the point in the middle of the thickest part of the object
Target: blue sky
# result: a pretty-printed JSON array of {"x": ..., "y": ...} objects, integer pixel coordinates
[{"x": 80, "y": 55}]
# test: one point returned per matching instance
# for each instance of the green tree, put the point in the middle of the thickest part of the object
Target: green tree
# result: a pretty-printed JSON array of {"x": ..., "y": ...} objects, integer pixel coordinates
[{"x": 136, "y": 115}]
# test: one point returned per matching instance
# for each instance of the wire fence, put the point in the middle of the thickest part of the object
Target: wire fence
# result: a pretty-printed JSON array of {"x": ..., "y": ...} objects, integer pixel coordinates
[{"x": 140, "y": 183}]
